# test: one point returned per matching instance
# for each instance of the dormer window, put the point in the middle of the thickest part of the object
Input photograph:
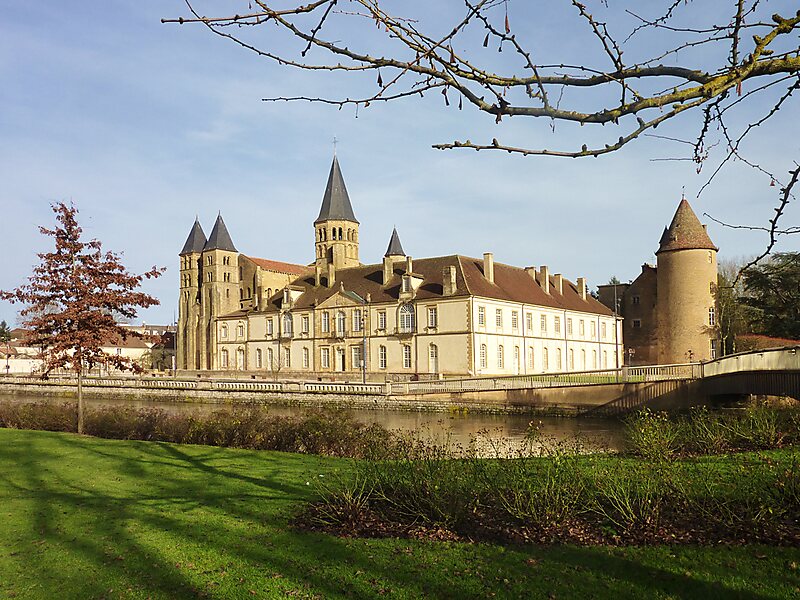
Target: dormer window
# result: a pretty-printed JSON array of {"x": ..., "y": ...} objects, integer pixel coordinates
[
  {"x": 286, "y": 296},
  {"x": 406, "y": 284}
]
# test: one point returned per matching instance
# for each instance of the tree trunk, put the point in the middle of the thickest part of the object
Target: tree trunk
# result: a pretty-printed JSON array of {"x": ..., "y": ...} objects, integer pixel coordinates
[{"x": 80, "y": 401}]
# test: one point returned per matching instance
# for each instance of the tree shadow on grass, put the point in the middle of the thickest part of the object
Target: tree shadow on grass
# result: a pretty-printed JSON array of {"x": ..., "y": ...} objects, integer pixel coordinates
[{"x": 154, "y": 519}]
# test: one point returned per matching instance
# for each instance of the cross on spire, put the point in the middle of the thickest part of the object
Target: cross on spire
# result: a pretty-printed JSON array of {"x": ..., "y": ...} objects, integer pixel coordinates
[{"x": 335, "y": 141}]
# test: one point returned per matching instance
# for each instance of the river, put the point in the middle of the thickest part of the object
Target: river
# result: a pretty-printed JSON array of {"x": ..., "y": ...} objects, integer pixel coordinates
[{"x": 490, "y": 434}]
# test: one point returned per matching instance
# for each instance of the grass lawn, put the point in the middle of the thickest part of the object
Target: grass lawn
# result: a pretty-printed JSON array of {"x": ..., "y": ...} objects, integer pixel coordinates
[{"x": 92, "y": 518}]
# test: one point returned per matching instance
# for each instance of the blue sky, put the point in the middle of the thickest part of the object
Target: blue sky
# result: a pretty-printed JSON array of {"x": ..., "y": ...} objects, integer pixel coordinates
[{"x": 144, "y": 125}]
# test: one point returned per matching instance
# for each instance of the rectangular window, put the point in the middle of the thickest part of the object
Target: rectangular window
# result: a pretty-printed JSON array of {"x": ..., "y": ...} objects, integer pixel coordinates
[
  {"x": 325, "y": 358},
  {"x": 593, "y": 329},
  {"x": 382, "y": 357},
  {"x": 433, "y": 317},
  {"x": 543, "y": 324},
  {"x": 483, "y": 356},
  {"x": 240, "y": 331},
  {"x": 406, "y": 357},
  {"x": 529, "y": 323},
  {"x": 637, "y": 323},
  {"x": 481, "y": 315},
  {"x": 498, "y": 317},
  {"x": 530, "y": 357},
  {"x": 712, "y": 320},
  {"x": 304, "y": 324},
  {"x": 581, "y": 328},
  {"x": 500, "y": 357},
  {"x": 514, "y": 320},
  {"x": 305, "y": 358},
  {"x": 259, "y": 359},
  {"x": 287, "y": 358},
  {"x": 357, "y": 320},
  {"x": 223, "y": 359},
  {"x": 713, "y": 349},
  {"x": 326, "y": 323},
  {"x": 603, "y": 331},
  {"x": 381, "y": 319},
  {"x": 270, "y": 358},
  {"x": 270, "y": 327},
  {"x": 635, "y": 300},
  {"x": 355, "y": 354},
  {"x": 569, "y": 326},
  {"x": 557, "y": 324}
]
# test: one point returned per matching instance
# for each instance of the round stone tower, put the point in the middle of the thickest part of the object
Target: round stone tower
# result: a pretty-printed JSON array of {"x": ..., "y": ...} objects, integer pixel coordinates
[{"x": 687, "y": 278}]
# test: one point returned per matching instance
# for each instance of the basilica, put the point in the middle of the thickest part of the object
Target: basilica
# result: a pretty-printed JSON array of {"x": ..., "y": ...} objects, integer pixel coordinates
[{"x": 397, "y": 318}]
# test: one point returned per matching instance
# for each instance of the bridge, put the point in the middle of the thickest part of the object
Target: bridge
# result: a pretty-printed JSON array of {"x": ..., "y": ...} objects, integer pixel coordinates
[{"x": 773, "y": 372}]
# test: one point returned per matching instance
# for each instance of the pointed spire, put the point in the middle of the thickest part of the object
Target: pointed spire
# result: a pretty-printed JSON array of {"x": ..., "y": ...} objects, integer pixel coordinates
[
  {"x": 395, "y": 247},
  {"x": 196, "y": 240},
  {"x": 336, "y": 203},
  {"x": 219, "y": 239},
  {"x": 685, "y": 232}
]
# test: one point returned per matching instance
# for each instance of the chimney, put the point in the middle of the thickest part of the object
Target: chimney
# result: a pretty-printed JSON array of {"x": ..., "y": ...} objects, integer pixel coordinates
[
  {"x": 388, "y": 269},
  {"x": 488, "y": 266},
  {"x": 409, "y": 265},
  {"x": 558, "y": 281},
  {"x": 544, "y": 278},
  {"x": 531, "y": 271},
  {"x": 331, "y": 274},
  {"x": 581, "y": 285},
  {"x": 448, "y": 281}
]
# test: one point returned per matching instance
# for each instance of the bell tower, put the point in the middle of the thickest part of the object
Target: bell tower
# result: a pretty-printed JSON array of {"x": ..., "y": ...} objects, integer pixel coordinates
[
  {"x": 336, "y": 227},
  {"x": 191, "y": 271}
]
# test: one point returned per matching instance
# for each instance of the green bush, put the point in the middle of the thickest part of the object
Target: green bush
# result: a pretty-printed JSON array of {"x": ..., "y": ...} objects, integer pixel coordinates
[{"x": 651, "y": 435}]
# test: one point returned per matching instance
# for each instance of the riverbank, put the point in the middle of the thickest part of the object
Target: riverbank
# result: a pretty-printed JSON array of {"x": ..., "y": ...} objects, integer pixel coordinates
[{"x": 91, "y": 518}]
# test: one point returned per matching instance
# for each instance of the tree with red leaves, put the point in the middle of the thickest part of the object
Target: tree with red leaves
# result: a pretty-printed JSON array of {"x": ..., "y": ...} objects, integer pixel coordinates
[{"x": 73, "y": 299}]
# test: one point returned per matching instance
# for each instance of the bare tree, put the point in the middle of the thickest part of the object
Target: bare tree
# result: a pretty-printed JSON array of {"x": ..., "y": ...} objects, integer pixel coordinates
[{"x": 644, "y": 64}]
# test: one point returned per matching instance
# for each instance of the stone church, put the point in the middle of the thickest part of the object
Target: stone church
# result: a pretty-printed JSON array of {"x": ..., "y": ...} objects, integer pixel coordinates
[
  {"x": 396, "y": 318},
  {"x": 670, "y": 308}
]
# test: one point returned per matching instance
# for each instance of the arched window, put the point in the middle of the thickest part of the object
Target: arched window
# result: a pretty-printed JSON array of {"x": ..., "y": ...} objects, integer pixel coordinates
[
  {"x": 500, "y": 357},
  {"x": 270, "y": 359},
  {"x": 259, "y": 359},
  {"x": 340, "y": 233},
  {"x": 545, "y": 359},
  {"x": 406, "y": 319},
  {"x": 382, "y": 357},
  {"x": 223, "y": 359},
  {"x": 223, "y": 332}
]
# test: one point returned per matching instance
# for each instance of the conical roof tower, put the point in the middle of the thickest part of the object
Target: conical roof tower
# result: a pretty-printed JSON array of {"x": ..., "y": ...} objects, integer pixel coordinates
[
  {"x": 395, "y": 247},
  {"x": 685, "y": 232},
  {"x": 219, "y": 239},
  {"x": 336, "y": 203},
  {"x": 196, "y": 240}
]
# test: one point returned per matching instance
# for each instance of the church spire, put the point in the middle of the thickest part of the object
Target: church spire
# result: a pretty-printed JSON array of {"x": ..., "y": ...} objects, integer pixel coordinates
[
  {"x": 220, "y": 239},
  {"x": 196, "y": 240},
  {"x": 336, "y": 203},
  {"x": 395, "y": 247}
]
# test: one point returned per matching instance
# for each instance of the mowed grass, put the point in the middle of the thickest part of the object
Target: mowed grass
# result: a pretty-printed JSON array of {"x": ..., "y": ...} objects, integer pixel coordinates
[{"x": 89, "y": 518}]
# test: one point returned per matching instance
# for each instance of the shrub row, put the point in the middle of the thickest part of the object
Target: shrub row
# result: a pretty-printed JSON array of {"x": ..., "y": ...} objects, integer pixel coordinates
[
  {"x": 563, "y": 496},
  {"x": 326, "y": 432},
  {"x": 702, "y": 432}
]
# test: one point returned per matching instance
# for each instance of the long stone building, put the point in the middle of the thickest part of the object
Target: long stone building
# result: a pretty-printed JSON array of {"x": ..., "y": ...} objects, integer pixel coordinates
[
  {"x": 670, "y": 308},
  {"x": 397, "y": 318}
]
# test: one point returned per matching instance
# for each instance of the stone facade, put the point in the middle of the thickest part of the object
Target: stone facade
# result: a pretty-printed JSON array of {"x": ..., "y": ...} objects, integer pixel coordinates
[{"x": 399, "y": 318}]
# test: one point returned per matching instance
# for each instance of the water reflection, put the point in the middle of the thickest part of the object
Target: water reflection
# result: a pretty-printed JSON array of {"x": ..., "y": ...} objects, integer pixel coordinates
[{"x": 486, "y": 432}]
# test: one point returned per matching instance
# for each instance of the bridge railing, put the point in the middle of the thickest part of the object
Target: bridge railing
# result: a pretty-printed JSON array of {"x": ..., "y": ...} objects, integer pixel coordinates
[
  {"x": 549, "y": 380},
  {"x": 772, "y": 359}
]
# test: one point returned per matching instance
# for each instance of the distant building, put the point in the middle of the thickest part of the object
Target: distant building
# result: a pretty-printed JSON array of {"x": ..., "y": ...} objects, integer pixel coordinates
[
  {"x": 670, "y": 308},
  {"x": 398, "y": 318}
]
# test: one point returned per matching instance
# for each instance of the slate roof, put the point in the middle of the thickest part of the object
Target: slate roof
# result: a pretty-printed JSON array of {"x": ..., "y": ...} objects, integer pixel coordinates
[
  {"x": 196, "y": 240},
  {"x": 336, "y": 203},
  {"x": 510, "y": 283},
  {"x": 220, "y": 239},
  {"x": 395, "y": 247},
  {"x": 280, "y": 267},
  {"x": 685, "y": 232}
]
